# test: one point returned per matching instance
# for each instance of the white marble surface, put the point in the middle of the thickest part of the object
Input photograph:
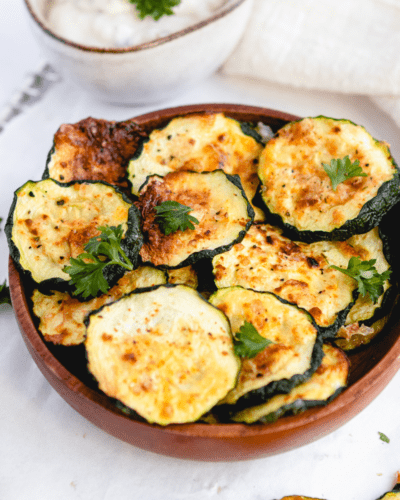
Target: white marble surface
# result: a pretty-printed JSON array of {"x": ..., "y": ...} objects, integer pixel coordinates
[{"x": 49, "y": 451}]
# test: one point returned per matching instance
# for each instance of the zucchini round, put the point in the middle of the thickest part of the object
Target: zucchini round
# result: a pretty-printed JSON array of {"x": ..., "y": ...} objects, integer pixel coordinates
[
  {"x": 217, "y": 201},
  {"x": 298, "y": 272},
  {"x": 201, "y": 143},
  {"x": 165, "y": 352},
  {"x": 93, "y": 149},
  {"x": 296, "y": 351},
  {"x": 61, "y": 316},
  {"x": 366, "y": 319},
  {"x": 50, "y": 222},
  {"x": 298, "y": 193},
  {"x": 323, "y": 386}
]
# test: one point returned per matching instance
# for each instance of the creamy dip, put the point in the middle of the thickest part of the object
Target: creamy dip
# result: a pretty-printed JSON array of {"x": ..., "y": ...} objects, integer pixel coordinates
[{"x": 114, "y": 23}]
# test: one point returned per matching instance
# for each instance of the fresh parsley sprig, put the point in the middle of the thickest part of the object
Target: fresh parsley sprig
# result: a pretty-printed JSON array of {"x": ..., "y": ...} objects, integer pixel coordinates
[
  {"x": 155, "y": 8},
  {"x": 341, "y": 169},
  {"x": 104, "y": 250},
  {"x": 172, "y": 216},
  {"x": 368, "y": 279},
  {"x": 249, "y": 342}
]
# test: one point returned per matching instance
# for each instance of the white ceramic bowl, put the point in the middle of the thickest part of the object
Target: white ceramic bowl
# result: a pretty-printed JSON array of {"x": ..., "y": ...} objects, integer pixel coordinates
[{"x": 149, "y": 72}]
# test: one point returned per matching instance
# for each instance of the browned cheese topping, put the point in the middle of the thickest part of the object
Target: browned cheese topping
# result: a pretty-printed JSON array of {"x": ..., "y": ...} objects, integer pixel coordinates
[
  {"x": 295, "y": 184},
  {"x": 216, "y": 203},
  {"x": 94, "y": 149}
]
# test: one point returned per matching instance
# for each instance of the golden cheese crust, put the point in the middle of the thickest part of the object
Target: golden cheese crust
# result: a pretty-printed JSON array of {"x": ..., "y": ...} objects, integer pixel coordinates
[
  {"x": 62, "y": 316},
  {"x": 297, "y": 272},
  {"x": 94, "y": 149},
  {"x": 331, "y": 376},
  {"x": 295, "y": 185},
  {"x": 183, "y": 276},
  {"x": 291, "y": 330},
  {"x": 217, "y": 203},
  {"x": 53, "y": 223},
  {"x": 166, "y": 353},
  {"x": 201, "y": 143}
]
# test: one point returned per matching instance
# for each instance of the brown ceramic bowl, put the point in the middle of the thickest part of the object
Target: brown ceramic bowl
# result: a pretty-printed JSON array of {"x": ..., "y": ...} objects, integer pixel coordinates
[{"x": 371, "y": 369}]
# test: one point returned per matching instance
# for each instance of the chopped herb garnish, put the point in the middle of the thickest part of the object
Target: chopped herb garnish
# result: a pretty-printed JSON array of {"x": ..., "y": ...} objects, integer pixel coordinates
[
  {"x": 154, "y": 8},
  {"x": 86, "y": 270},
  {"x": 172, "y": 216},
  {"x": 341, "y": 169},
  {"x": 368, "y": 279},
  {"x": 383, "y": 437},
  {"x": 5, "y": 294},
  {"x": 249, "y": 342}
]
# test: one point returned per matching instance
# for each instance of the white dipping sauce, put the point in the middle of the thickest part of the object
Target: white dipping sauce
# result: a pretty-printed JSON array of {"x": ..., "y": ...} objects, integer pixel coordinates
[{"x": 115, "y": 24}]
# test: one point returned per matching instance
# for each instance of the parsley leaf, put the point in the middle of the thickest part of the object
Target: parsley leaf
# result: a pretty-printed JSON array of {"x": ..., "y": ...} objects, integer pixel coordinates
[
  {"x": 155, "y": 8},
  {"x": 5, "y": 294},
  {"x": 86, "y": 270},
  {"x": 368, "y": 279},
  {"x": 172, "y": 216},
  {"x": 383, "y": 437},
  {"x": 249, "y": 342},
  {"x": 342, "y": 169}
]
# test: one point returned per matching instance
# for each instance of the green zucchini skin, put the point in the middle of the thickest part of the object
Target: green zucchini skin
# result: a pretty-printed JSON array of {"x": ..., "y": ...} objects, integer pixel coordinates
[
  {"x": 131, "y": 243},
  {"x": 372, "y": 211},
  {"x": 207, "y": 253}
]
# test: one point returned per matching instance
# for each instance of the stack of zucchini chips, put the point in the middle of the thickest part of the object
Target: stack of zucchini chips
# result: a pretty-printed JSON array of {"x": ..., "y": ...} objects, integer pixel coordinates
[{"x": 213, "y": 270}]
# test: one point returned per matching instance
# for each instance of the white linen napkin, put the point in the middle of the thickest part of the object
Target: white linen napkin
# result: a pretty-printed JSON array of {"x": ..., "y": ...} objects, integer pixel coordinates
[{"x": 350, "y": 46}]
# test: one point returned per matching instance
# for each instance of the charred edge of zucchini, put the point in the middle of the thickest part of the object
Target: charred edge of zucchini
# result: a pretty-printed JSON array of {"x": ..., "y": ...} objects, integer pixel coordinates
[
  {"x": 370, "y": 215},
  {"x": 46, "y": 173},
  {"x": 385, "y": 308},
  {"x": 131, "y": 244},
  {"x": 248, "y": 129},
  {"x": 329, "y": 332},
  {"x": 209, "y": 254},
  {"x": 298, "y": 406},
  {"x": 284, "y": 386}
]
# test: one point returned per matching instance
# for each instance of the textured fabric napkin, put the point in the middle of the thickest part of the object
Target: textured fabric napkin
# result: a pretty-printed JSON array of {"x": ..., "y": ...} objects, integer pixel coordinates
[{"x": 350, "y": 46}]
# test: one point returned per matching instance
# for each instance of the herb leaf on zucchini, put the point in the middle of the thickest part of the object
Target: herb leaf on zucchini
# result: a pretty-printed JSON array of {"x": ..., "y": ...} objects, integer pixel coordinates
[
  {"x": 49, "y": 223},
  {"x": 217, "y": 201}
]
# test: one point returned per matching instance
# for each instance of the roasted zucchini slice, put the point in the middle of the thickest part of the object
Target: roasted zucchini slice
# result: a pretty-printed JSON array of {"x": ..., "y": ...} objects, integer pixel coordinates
[
  {"x": 93, "y": 149},
  {"x": 61, "y": 316},
  {"x": 216, "y": 200},
  {"x": 295, "y": 354},
  {"x": 366, "y": 319},
  {"x": 298, "y": 272},
  {"x": 165, "y": 353},
  {"x": 51, "y": 222},
  {"x": 298, "y": 193},
  {"x": 324, "y": 385},
  {"x": 200, "y": 142}
]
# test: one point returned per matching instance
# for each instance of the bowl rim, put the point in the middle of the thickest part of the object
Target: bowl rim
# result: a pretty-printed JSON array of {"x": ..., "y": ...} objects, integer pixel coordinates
[
  {"x": 312, "y": 424},
  {"x": 230, "y": 7}
]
